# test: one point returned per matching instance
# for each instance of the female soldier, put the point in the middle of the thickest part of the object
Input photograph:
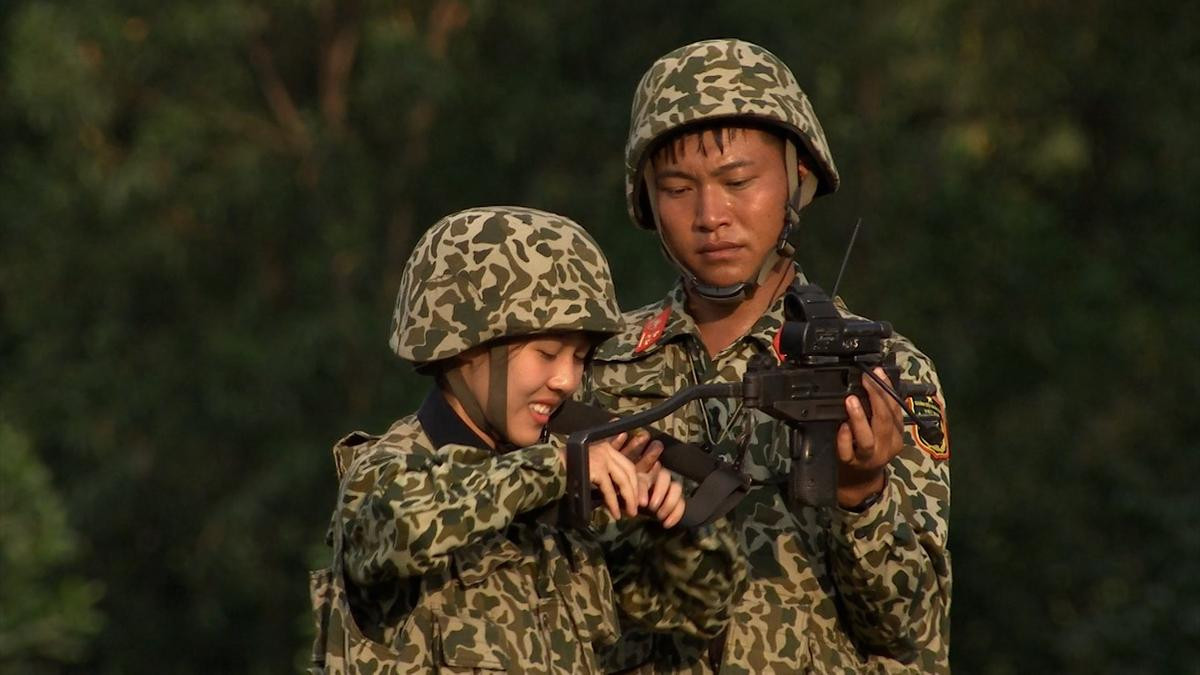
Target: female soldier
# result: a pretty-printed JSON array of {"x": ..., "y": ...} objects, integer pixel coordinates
[{"x": 447, "y": 552}]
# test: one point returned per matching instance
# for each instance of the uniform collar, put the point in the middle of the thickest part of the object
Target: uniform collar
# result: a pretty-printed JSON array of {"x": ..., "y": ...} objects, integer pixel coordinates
[
  {"x": 665, "y": 321},
  {"x": 680, "y": 321},
  {"x": 443, "y": 426},
  {"x": 765, "y": 328},
  {"x": 649, "y": 328}
]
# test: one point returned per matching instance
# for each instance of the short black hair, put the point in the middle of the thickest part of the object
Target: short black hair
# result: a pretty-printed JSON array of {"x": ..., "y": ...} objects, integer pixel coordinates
[
  {"x": 674, "y": 144},
  {"x": 722, "y": 129}
]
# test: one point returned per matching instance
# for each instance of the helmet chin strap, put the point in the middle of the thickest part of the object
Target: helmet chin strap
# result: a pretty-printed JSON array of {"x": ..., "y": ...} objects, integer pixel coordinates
[
  {"x": 800, "y": 194},
  {"x": 493, "y": 420}
]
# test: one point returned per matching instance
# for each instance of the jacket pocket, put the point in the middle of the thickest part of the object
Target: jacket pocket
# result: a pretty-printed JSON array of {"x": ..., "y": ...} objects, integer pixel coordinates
[
  {"x": 320, "y": 592},
  {"x": 589, "y": 594},
  {"x": 470, "y": 644},
  {"x": 341, "y": 647},
  {"x": 771, "y": 636}
]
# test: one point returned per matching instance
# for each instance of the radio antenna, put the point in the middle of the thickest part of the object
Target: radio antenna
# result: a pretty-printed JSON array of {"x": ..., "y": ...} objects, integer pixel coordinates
[{"x": 846, "y": 259}]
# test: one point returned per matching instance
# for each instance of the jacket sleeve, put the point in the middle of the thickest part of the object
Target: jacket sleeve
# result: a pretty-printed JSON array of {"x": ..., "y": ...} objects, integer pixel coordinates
[
  {"x": 890, "y": 563},
  {"x": 407, "y": 508},
  {"x": 678, "y": 579},
  {"x": 669, "y": 580}
]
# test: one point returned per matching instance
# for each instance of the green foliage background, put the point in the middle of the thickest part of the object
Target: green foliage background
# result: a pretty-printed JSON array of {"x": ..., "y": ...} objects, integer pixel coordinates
[{"x": 205, "y": 207}]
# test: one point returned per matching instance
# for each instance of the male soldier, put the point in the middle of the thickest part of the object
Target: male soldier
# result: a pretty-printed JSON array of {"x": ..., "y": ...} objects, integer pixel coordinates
[{"x": 724, "y": 151}]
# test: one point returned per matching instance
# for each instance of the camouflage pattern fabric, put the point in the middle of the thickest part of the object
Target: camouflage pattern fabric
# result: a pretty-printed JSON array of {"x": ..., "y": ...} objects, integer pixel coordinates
[
  {"x": 714, "y": 80},
  {"x": 830, "y": 591},
  {"x": 438, "y": 567},
  {"x": 500, "y": 271}
]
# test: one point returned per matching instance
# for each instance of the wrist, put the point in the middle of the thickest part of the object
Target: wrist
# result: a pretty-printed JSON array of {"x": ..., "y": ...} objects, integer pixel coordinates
[
  {"x": 865, "y": 504},
  {"x": 861, "y": 496}
]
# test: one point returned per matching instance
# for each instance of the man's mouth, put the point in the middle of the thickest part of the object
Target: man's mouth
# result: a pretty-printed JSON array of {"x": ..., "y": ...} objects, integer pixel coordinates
[{"x": 717, "y": 249}]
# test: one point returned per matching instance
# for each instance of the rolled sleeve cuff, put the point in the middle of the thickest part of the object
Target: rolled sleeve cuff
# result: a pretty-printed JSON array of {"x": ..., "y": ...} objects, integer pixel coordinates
[
  {"x": 878, "y": 526},
  {"x": 547, "y": 475}
]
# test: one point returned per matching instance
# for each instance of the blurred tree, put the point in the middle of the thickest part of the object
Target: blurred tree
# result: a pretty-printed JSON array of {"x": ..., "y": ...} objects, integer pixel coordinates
[
  {"x": 195, "y": 299},
  {"x": 49, "y": 614}
]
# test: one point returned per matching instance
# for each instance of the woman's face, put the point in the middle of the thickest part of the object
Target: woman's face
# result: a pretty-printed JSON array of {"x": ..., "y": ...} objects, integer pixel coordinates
[{"x": 543, "y": 371}]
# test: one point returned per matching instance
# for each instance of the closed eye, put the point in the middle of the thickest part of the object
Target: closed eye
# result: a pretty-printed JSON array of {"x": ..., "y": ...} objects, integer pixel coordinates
[{"x": 673, "y": 190}]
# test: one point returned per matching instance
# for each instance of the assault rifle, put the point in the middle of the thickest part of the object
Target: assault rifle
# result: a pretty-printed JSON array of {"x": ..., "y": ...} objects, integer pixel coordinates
[{"x": 824, "y": 357}]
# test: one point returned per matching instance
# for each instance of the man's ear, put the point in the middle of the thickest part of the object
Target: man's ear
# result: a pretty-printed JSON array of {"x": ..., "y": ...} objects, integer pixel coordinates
[{"x": 802, "y": 170}]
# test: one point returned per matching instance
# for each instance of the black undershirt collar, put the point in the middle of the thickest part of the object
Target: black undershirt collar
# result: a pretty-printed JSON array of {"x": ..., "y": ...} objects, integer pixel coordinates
[{"x": 443, "y": 426}]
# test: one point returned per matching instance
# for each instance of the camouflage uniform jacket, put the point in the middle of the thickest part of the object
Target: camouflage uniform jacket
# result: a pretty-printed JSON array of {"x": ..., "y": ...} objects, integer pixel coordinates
[
  {"x": 830, "y": 591},
  {"x": 447, "y": 566}
]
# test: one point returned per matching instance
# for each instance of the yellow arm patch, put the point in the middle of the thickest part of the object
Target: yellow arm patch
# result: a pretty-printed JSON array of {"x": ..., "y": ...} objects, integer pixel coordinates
[{"x": 931, "y": 407}]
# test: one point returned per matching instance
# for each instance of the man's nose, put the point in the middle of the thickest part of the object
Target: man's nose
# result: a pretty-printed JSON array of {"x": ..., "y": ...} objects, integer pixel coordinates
[{"x": 712, "y": 208}]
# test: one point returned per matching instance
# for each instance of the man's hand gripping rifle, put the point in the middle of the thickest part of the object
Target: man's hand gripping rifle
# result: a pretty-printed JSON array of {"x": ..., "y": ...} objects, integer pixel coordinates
[{"x": 824, "y": 357}]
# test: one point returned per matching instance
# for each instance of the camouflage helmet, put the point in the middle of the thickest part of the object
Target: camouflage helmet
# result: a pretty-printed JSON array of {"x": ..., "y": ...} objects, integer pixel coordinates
[
  {"x": 500, "y": 271},
  {"x": 714, "y": 80}
]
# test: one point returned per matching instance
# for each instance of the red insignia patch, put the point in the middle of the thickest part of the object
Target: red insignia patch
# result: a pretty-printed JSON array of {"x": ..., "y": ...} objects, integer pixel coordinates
[
  {"x": 932, "y": 407},
  {"x": 652, "y": 330}
]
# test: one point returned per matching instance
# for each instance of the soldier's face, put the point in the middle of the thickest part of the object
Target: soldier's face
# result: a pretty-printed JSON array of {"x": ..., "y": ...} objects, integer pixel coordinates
[
  {"x": 721, "y": 209},
  {"x": 542, "y": 373}
]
